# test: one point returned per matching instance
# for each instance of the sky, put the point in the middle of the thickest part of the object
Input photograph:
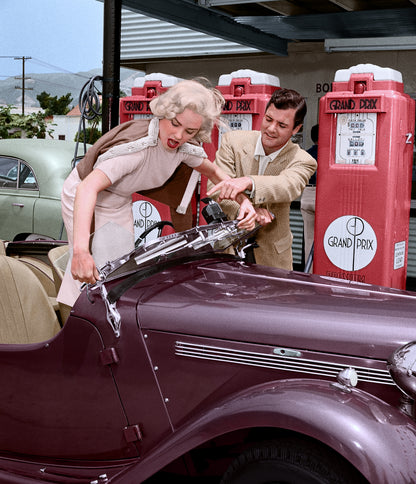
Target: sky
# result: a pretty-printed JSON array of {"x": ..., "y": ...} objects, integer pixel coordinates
[{"x": 58, "y": 35}]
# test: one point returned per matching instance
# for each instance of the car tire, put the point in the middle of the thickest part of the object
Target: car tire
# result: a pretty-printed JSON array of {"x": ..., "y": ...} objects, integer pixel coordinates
[{"x": 290, "y": 462}]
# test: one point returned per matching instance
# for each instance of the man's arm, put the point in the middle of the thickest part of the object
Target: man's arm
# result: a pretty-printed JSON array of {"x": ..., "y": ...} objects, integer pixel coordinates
[
  {"x": 225, "y": 159},
  {"x": 287, "y": 185}
]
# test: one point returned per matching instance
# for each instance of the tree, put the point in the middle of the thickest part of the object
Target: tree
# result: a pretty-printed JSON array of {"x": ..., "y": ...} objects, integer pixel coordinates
[
  {"x": 20, "y": 126},
  {"x": 92, "y": 134},
  {"x": 6, "y": 121},
  {"x": 52, "y": 105}
]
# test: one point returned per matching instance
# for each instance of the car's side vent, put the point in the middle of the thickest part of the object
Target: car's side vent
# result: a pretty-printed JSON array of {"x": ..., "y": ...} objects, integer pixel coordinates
[{"x": 279, "y": 361}]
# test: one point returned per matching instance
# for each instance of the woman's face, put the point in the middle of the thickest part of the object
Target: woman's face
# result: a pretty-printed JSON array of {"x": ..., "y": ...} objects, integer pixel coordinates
[{"x": 177, "y": 131}]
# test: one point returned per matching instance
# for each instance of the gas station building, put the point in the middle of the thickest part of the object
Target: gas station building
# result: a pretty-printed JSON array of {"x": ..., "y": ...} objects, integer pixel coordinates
[{"x": 155, "y": 46}]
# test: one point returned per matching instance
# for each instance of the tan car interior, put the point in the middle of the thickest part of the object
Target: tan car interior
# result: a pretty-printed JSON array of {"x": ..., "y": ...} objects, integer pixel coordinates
[
  {"x": 26, "y": 312},
  {"x": 29, "y": 312}
]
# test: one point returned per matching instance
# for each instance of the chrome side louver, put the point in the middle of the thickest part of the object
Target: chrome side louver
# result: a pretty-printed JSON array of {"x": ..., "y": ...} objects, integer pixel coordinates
[{"x": 279, "y": 361}]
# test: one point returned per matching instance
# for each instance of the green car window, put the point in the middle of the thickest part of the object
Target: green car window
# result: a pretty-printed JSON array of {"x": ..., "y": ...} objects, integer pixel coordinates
[
  {"x": 16, "y": 174},
  {"x": 26, "y": 177},
  {"x": 8, "y": 172}
]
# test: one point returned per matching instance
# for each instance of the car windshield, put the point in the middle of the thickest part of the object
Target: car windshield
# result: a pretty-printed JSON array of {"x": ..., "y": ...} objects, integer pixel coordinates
[
  {"x": 149, "y": 258},
  {"x": 190, "y": 244}
]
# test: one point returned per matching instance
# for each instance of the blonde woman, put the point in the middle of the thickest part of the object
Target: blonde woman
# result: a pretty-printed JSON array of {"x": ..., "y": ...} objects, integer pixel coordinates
[{"x": 102, "y": 184}]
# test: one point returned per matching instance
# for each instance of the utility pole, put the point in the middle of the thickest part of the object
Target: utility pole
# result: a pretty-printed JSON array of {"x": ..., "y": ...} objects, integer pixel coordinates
[{"x": 22, "y": 87}]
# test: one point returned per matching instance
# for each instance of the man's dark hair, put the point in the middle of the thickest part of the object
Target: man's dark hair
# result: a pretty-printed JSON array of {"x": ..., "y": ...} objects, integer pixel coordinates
[
  {"x": 289, "y": 99},
  {"x": 315, "y": 133}
]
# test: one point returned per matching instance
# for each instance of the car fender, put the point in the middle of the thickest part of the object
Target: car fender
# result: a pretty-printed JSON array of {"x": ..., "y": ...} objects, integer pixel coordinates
[
  {"x": 376, "y": 438},
  {"x": 51, "y": 225}
]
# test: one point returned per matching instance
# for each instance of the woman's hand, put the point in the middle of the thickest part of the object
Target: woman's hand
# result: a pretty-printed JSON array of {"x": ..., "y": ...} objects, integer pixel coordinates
[
  {"x": 230, "y": 188},
  {"x": 247, "y": 214},
  {"x": 83, "y": 268}
]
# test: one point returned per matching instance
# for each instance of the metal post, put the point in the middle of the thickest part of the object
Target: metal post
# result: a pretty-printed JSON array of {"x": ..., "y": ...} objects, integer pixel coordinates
[
  {"x": 23, "y": 81},
  {"x": 111, "y": 64}
]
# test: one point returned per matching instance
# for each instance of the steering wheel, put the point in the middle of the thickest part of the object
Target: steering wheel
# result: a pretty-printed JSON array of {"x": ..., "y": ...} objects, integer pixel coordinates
[{"x": 158, "y": 225}]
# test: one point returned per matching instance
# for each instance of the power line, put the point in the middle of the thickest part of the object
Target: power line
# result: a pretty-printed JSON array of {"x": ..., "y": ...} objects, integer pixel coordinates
[
  {"x": 46, "y": 64},
  {"x": 45, "y": 81},
  {"x": 7, "y": 57},
  {"x": 23, "y": 77}
]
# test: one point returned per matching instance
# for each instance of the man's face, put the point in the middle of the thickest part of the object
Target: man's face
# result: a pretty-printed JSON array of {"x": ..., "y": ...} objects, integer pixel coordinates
[{"x": 277, "y": 127}]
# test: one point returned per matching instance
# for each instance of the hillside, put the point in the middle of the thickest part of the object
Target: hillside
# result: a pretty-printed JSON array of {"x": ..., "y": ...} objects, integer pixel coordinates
[{"x": 57, "y": 84}]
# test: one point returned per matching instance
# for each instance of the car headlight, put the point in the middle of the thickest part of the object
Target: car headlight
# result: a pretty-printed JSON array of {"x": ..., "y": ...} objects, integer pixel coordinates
[{"x": 402, "y": 368}]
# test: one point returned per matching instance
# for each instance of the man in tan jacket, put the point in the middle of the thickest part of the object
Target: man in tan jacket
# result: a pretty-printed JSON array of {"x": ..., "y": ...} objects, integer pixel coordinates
[{"x": 272, "y": 170}]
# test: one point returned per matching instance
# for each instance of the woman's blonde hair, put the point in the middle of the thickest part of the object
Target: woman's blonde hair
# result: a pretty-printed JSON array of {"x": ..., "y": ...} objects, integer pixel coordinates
[{"x": 195, "y": 95}]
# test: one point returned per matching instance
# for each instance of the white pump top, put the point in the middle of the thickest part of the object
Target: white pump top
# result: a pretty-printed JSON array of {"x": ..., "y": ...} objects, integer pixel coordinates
[
  {"x": 380, "y": 73},
  {"x": 167, "y": 80},
  {"x": 255, "y": 77}
]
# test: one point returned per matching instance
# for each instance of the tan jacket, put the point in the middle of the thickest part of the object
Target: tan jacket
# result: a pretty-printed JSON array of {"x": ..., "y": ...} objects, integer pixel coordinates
[{"x": 283, "y": 181}]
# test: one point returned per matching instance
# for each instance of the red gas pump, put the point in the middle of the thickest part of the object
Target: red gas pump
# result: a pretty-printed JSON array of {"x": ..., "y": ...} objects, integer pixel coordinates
[
  {"x": 366, "y": 129},
  {"x": 246, "y": 95},
  {"x": 144, "y": 90},
  {"x": 146, "y": 211}
]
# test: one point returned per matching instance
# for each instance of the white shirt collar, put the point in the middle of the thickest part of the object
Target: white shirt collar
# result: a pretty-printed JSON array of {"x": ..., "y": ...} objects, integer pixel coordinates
[{"x": 261, "y": 156}]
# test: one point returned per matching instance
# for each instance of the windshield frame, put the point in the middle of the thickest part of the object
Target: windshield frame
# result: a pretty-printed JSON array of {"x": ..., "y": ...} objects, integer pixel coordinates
[{"x": 196, "y": 242}]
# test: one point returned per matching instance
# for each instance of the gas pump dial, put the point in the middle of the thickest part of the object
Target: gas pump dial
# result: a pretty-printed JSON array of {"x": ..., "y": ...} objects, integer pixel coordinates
[
  {"x": 356, "y": 138},
  {"x": 235, "y": 122}
]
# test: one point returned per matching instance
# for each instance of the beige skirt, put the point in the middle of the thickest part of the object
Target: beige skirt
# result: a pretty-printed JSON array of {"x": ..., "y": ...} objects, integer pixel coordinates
[{"x": 113, "y": 236}]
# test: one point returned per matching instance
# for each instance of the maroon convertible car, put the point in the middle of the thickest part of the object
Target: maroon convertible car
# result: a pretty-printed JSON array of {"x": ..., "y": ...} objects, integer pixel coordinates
[{"x": 187, "y": 361}]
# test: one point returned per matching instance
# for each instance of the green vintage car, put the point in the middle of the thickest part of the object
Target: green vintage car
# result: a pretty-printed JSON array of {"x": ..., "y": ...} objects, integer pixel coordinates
[{"x": 32, "y": 172}]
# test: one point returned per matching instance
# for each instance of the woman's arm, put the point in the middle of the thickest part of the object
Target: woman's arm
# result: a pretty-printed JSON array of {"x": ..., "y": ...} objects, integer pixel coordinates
[
  {"x": 212, "y": 171},
  {"x": 83, "y": 267}
]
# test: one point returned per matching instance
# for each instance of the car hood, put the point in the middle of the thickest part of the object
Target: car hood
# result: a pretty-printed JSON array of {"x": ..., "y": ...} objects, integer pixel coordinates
[{"x": 252, "y": 303}]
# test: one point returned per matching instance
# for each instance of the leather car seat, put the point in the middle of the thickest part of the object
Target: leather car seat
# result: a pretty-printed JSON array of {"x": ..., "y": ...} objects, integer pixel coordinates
[
  {"x": 58, "y": 257},
  {"x": 26, "y": 313},
  {"x": 44, "y": 273}
]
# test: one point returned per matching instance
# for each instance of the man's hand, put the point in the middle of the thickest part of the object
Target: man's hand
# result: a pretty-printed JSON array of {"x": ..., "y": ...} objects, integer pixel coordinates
[
  {"x": 247, "y": 214},
  {"x": 263, "y": 216},
  {"x": 230, "y": 188}
]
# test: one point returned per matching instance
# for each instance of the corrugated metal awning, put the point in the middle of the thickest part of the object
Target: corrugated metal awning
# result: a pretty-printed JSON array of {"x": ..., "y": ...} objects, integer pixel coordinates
[{"x": 144, "y": 38}]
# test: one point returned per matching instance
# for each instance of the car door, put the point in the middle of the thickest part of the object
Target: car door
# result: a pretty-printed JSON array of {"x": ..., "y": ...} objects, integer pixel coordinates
[{"x": 18, "y": 192}]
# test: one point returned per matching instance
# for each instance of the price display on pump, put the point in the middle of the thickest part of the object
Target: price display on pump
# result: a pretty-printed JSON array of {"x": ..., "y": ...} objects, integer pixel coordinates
[
  {"x": 356, "y": 138},
  {"x": 235, "y": 122}
]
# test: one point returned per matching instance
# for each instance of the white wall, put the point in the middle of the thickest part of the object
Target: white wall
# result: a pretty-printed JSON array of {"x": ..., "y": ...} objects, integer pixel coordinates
[
  {"x": 66, "y": 127},
  {"x": 308, "y": 69}
]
